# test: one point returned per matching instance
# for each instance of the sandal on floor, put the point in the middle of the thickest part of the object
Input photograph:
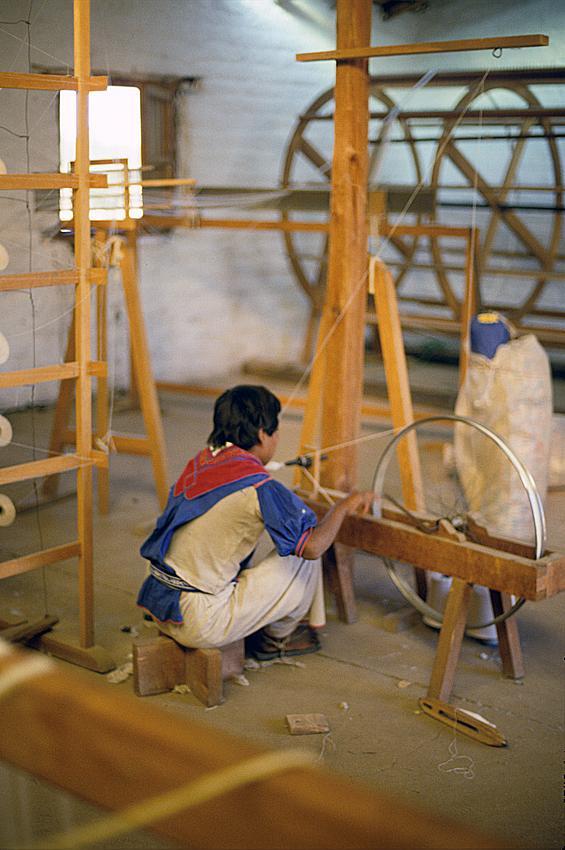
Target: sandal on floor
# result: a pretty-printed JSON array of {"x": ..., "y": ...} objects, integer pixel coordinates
[{"x": 301, "y": 641}]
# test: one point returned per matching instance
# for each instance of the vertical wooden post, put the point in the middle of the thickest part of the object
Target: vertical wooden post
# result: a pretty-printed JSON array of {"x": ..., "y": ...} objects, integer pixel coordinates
[
  {"x": 103, "y": 476},
  {"x": 470, "y": 301},
  {"x": 347, "y": 271},
  {"x": 83, "y": 397},
  {"x": 142, "y": 369}
]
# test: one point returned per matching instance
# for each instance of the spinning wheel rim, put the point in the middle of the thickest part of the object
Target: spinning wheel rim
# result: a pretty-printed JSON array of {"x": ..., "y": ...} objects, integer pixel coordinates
[{"x": 527, "y": 481}]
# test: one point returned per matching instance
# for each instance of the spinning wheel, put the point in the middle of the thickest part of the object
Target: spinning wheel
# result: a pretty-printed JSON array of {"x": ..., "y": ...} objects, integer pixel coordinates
[
  {"x": 466, "y": 498},
  {"x": 477, "y": 152},
  {"x": 308, "y": 163},
  {"x": 530, "y": 135}
]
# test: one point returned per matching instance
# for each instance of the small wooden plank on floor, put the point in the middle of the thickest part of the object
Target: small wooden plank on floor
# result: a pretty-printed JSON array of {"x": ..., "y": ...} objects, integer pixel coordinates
[{"x": 307, "y": 724}]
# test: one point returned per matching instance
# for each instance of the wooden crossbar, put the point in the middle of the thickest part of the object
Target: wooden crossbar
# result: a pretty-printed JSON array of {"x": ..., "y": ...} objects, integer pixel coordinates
[
  {"x": 49, "y": 466},
  {"x": 32, "y": 280},
  {"x": 452, "y": 46},
  {"x": 44, "y": 558},
  {"x": 168, "y": 221},
  {"x": 39, "y": 375},
  {"x": 49, "y": 181},
  {"x": 42, "y": 374},
  {"x": 126, "y": 443},
  {"x": 50, "y": 82}
]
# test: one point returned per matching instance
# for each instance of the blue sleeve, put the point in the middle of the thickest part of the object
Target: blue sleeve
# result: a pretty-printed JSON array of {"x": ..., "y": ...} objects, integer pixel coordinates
[{"x": 287, "y": 519}]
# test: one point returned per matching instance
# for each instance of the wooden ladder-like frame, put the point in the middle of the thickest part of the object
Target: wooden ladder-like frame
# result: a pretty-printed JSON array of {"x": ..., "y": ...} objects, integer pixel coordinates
[{"x": 82, "y": 368}]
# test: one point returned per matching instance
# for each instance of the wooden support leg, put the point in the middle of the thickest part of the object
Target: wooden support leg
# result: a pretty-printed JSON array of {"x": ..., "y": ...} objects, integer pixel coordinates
[
  {"x": 144, "y": 372},
  {"x": 508, "y": 637},
  {"x": 103, "y": 474},
  {"x": 398, "y": 389},
  {"x": 450, "y": 638},
  {"x": 338, "y": 565}
]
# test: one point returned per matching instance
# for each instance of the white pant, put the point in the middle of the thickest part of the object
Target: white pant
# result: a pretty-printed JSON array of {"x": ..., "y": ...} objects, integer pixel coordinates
[{"x": 277, "y": 592}]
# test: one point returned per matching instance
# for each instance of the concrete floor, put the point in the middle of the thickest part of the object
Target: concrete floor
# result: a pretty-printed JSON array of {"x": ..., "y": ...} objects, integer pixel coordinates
[{"x": 366, "y": 680}]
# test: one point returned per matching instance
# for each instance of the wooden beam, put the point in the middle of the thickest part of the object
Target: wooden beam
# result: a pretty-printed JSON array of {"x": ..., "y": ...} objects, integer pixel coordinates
[
  {"x": 49, "y": 82},
  {"x": 397, "y": 382},
  {"x": 121, "y": 443},
  {"x": 50, "y": 181},
  {"x": 169, "y": 221},
  {"x": 346, "y": 293},
  {"x": 44, "y": 558},
  {"x": 42, "y": 374},
  {"x": 32, "y": 280},
  {"x": 39, "y": 468},
  {"x": 368, "y": 408},
  {"x": 456, "y": 45},
  {"x": 468, "y": 561},
  {"x": 166, "y": 181},
  {"x": 114, "y": 750},
  {"x": 39, "y": 375},
  {"x": 83, "y": 388},
  {"x": 143, "y": 370}
]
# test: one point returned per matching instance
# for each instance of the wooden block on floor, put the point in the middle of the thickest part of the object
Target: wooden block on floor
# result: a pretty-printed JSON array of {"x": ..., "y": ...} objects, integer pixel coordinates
[
  {"x": 307, "y": 724},
  {"x": 207, "y": 669},
  {"x": 158, "y": 665},
  {"x": 204, "y": 675}
]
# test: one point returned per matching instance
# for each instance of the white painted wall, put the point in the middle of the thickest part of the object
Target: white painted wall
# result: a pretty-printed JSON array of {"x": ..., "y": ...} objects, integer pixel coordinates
[{"x": 212, "y": 299}]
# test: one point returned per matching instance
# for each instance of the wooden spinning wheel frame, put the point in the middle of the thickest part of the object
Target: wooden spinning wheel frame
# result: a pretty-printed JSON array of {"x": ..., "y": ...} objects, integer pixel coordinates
[{"x": 535, "y": 258}]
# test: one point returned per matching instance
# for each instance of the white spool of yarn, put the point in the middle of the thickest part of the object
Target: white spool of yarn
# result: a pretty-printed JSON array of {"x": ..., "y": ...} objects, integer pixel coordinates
[
  {"x": 5, "y": 432},
  {"x": 4, "y": 348},
  {"x": 4, "y": 257},
  {"x": 7, "y": 511},
  {"x": 3, "y": 169}
]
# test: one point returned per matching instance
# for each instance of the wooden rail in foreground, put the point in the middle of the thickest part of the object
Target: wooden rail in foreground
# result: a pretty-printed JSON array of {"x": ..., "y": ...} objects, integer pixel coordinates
[{"x": 113, "y": 750}]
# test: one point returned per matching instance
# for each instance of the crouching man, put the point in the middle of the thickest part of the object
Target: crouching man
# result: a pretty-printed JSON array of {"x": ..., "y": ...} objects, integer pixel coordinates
[{"x": 201, "y": 589}]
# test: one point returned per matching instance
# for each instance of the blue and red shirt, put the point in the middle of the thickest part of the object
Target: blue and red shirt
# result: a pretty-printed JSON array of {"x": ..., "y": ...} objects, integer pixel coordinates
[{"x": 207, "y": 478}]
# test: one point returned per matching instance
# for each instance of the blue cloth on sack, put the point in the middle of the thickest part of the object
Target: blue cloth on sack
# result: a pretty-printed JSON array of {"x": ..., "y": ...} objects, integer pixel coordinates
[
  {"x": 288, "y": 521},
  {"x": 487, "y": 336}
]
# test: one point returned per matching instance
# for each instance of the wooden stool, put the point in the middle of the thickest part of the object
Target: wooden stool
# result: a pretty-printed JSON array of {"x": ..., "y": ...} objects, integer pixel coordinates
[{"x": 160, "y": 663}]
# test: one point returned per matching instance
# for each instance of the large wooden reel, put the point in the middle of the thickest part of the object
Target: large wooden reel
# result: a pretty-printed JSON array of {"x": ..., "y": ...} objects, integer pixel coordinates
[{"x": 448, "y": 149}]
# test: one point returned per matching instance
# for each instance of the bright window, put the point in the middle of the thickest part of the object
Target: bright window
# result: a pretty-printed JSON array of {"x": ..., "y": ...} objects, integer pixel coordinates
[{"x": 115, "y": 148}]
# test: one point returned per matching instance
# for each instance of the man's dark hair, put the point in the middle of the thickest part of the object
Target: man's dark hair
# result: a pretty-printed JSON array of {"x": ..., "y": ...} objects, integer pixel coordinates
[{"x": 240, "y": 412}]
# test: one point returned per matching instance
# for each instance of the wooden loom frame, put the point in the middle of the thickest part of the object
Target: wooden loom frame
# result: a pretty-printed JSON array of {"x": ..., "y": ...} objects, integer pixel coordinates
[
  {"x": 340, "y": 371},
  {"x": 82, "y": 368},
  {"x": 143, "y": 387}
]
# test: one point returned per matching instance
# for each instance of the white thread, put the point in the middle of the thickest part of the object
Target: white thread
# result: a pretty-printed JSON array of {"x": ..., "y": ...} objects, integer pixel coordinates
[
  {"x": 4, "y": 256},
  {"x": 465, "y": 770},
  {"x": 461, "y": 769},
  {"x": 317, "y": 484},
  {"x": 3, "y": 167}
]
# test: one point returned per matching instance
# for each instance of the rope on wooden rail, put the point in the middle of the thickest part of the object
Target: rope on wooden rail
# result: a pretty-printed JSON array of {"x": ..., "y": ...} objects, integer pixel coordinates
[{"x": 147, "y": 812}]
